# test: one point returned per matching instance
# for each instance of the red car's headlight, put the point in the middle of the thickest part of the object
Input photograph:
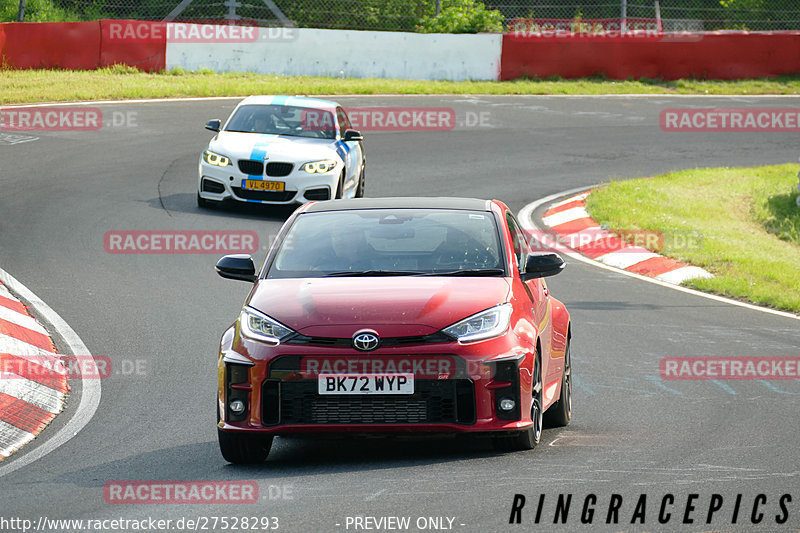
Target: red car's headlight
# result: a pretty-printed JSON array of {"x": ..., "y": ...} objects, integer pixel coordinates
[
  {"x": 256, "y": 325},
  {"x": 481, "y": 326}
]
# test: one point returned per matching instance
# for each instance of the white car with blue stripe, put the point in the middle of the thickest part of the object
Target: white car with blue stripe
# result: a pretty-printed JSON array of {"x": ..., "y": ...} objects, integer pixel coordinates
[{"x": 282, "y": 150}]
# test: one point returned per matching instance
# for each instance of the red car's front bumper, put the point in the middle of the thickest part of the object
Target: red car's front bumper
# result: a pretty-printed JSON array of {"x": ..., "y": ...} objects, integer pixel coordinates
[{"x": 458, "y": 387}]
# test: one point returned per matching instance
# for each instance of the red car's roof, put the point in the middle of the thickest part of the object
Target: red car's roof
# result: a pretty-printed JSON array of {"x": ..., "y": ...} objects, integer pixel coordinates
[{"x": 416, "y": 202}]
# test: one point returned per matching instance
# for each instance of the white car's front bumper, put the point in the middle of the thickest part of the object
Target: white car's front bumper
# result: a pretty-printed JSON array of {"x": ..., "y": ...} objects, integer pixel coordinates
[{"x": 227, "y": 183}]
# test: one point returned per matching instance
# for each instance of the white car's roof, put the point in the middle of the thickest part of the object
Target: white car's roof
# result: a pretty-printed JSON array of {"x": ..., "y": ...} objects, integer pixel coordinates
[{"x": 298, "y": 101}]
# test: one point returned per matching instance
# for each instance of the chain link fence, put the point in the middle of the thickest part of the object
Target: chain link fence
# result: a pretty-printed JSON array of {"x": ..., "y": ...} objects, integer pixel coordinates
[
  {"x": 411, "y": 15},
  {"x": 675, "y": 15}
]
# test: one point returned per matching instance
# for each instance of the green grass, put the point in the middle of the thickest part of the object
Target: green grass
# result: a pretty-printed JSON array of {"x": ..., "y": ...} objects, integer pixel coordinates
[
  {"x": 741, "y": 224},
  {"x": 120, "y": 82}
]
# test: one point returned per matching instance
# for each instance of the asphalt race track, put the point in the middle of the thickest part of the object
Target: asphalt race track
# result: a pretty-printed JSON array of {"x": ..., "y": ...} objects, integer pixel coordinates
[{"x": 631, "y": 434}]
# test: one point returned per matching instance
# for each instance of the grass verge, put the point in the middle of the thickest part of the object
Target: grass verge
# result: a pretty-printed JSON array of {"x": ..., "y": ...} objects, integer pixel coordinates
[
  {"x": 741, "y": 224},
  {"x": 121, "y": 83}
]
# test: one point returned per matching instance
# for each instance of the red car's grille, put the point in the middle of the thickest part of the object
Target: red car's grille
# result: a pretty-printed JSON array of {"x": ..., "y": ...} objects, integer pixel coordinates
[
  {"x": 296, "y": 400},
  {"x": 373, "y": 411},
  {"x": 434, "y": 401}
]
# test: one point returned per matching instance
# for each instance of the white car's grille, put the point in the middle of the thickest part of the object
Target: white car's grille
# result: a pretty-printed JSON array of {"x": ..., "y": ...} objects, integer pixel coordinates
[{"x": 252, "y": 167}]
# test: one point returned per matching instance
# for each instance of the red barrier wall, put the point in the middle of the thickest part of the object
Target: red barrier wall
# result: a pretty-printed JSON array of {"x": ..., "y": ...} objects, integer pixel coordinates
[
  {"x": 2, "y": 41},
  {"x": 141, "y": 44},
  {"x": 717, "y": 55},
  {"x": 67, "y": 45},
  {"x": 81, "y": 45}
]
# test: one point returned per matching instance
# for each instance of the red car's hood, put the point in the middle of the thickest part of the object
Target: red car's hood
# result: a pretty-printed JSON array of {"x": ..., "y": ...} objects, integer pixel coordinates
[{"x": 392, "y": 306}]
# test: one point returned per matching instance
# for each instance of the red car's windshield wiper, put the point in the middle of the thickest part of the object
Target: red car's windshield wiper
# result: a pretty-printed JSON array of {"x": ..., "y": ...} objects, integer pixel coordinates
[
  {"x": 345, "y": 273},
  {"x": 469, "y": 272}
]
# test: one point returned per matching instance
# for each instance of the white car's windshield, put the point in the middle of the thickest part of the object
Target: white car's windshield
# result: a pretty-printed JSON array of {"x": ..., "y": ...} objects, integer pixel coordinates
[
  {"x": 378, "y": 242},
  {"x": 284, "y": 120}
]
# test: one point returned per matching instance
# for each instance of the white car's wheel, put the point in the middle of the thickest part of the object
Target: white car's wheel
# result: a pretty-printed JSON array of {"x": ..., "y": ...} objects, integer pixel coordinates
[
  {"x": 340, "y": 187},
  {"x": 361, "y": 183}
]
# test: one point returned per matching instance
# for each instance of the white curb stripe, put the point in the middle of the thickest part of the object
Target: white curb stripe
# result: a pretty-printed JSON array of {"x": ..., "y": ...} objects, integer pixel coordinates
[
  {"x": 21, "y": 348},
  {"x": 45, "y": 363},
  {"x": 584, "y": 237},
  {"x": 679, "y": 275},
  {"x": 565, "y": 216},
  {"x": 34, "y": 393},
  {"x": 626, "y": 259},
  {"x": 21, "y": 320},
  {"x": 6, "y": 293},
  {"x": 568, "y": 200},
  {"x": 14, "y": 437}
]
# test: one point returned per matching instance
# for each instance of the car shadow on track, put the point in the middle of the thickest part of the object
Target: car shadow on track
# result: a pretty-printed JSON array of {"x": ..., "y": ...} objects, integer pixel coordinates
[
  {"x": 187, "y": 203},
  {"x": 293, "y": 457},
  {"x": 375, "y": 452}
]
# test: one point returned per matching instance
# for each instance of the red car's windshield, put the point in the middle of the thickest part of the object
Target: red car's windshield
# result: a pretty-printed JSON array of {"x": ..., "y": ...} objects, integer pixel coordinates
[{"x": 390, "y": 242}]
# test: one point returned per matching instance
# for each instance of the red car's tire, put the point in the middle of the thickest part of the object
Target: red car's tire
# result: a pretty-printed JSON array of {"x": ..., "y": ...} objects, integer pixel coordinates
[
  {"x": 560, "y": 413},
  {"x": 237, "y": 448},
  {"x": 528, "y": 439}
]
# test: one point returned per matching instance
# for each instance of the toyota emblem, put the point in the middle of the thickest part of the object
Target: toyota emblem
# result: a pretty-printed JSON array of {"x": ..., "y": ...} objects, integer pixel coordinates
[{"x": 366, "y": 341}]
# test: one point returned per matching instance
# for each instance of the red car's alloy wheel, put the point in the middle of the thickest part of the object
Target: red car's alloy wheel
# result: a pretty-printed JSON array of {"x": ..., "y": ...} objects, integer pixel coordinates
[
  {"x": 529, "y": 438},
  {"x": 560, "y": 413}
]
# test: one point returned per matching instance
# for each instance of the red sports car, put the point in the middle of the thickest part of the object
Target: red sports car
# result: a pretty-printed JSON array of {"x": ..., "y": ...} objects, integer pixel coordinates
[{"x": 395, "y": 315}]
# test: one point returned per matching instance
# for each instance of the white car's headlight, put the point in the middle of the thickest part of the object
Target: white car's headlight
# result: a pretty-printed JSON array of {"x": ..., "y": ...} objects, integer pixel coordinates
[
  {"x": 258, "y": 326},
  {"x": 216, "y": 159},
  {"x": 484, "y": 325},
  {"x": 320, "y": 167}
]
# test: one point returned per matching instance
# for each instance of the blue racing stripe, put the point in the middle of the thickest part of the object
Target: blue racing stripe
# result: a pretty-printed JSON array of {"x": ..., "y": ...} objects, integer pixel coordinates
[
  {"x": 258, "y": 153},
  {"x": 342, "y": 149}
]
